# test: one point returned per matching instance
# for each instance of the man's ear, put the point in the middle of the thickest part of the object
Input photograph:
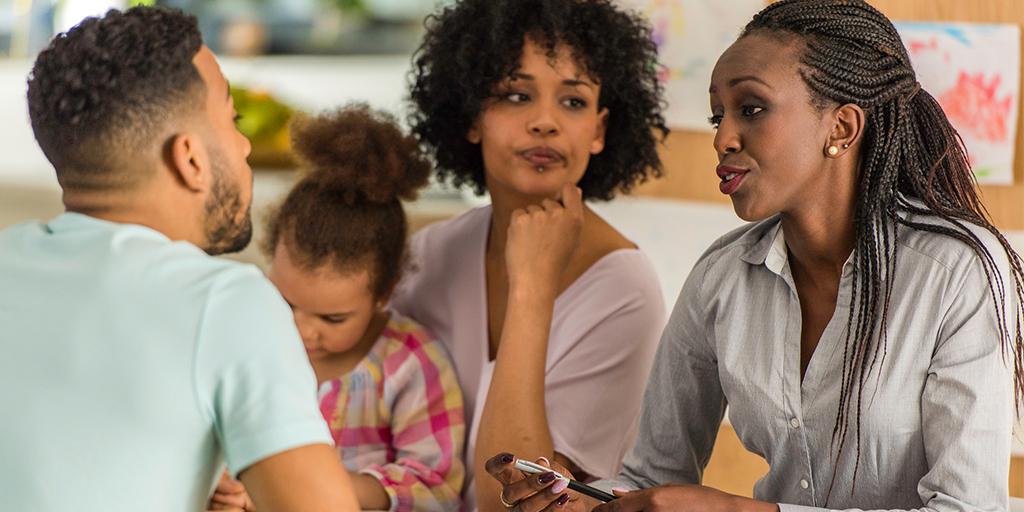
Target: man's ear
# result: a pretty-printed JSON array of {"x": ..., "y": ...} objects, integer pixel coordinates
[{"x": 189, "y": 162}]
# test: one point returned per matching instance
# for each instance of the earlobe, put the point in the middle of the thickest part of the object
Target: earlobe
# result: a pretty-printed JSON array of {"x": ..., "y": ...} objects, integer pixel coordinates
[
  {"x": 848, "y": 128},
  {"x": 188, "y": 162},
  {"x": 382, "y": 302},
  {"x": 834, "y": 150},
  {"x": 597, "y": 145},
  {"x": 473, "y": 135}
]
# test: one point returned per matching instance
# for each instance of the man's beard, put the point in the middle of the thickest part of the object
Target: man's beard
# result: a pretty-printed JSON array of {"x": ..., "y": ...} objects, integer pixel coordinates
[{"x": 226, "y": 232}]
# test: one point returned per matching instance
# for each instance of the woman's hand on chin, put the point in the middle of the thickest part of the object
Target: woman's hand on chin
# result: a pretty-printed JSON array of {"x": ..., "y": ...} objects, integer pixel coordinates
[{"x": 542, "y": 239}]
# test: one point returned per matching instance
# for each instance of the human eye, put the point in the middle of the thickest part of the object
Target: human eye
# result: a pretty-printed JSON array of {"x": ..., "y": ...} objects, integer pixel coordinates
[
  {"x": 515, "y": 97},
  {"x": 334, "y": 319},
  {"x": 751, "y": 110},
  {"x": 575, "y": 103}
]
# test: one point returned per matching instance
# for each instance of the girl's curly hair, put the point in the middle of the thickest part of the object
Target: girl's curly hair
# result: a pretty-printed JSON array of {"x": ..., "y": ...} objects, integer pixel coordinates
[
  {"x": 347, "y": 211},
  {"x": 471, "y": 46}
]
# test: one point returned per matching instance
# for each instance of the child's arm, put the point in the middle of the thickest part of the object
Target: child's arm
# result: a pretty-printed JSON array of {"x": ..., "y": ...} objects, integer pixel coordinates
[
  {"x": 428, "y": 429},
  {"x": 230, "y": 495},
  {"x": 370, "y": 492}
]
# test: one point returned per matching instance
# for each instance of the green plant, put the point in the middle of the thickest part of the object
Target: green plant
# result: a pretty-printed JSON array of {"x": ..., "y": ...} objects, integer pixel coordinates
[
  {"x": 261, "y": 115},
  {"x": 350, "y": 6}
]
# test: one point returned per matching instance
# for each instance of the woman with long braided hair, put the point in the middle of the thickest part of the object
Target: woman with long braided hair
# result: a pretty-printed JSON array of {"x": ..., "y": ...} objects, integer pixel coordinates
[{"x": 864, "y": 329}]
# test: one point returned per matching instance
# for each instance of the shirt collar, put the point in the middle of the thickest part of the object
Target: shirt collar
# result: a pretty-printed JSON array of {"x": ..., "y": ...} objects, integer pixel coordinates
[
  {"x": 71, "y": 221},
  {"x": 770, "y": 250},
  {"x": 770, "y": 242}
]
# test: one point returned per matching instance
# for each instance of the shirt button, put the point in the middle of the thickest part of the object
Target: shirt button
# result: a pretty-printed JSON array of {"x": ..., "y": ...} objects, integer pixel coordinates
[
  {"x": 795, "y": 423},
  {"x": 804, "y": 484}
]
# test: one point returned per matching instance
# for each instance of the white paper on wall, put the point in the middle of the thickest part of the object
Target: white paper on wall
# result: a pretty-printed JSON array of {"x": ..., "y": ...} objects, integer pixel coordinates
[
  {"x": 973, "y": 70},
  {"x": 691, "y": 35}
]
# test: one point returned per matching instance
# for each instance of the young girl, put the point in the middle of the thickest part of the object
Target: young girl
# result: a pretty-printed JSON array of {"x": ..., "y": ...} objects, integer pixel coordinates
[
  {"x": 552, "y": 316},
  {"x": 337, "y": 245},
  {"x": 864, "y": 326}
]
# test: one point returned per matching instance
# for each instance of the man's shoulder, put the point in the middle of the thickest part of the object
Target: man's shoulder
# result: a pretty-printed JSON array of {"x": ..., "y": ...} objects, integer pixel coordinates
[
  {"x": 179, "y": 267},
  {"x": 136, "y": 262}
]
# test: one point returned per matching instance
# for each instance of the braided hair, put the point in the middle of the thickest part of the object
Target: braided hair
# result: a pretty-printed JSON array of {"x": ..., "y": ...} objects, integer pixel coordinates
[{"x": 913, "y": 162}]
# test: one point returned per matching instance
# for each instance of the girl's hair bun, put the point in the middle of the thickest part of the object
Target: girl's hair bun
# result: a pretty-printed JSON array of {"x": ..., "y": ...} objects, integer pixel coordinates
[{"x": 362, "y": 153}]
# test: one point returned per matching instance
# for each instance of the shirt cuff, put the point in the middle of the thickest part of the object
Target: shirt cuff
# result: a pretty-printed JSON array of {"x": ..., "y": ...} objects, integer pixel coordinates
[
  {"x": 608, "y": 485},
  {"x": 798, "y": 508}
]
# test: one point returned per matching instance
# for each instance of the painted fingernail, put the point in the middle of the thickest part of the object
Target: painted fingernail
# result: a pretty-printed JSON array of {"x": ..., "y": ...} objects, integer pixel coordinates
[
  {"x": 559, "y": 486},
  {"x": 547, "y": 478},
  {"x": 507, "y": 458},
  {"x": 562, "y": 500}
]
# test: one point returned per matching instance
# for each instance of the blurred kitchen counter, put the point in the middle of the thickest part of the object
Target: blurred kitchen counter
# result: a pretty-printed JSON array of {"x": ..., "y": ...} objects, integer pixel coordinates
[
  {"x": 22, "y": 201},
  {"x": 309, "y": 83}
]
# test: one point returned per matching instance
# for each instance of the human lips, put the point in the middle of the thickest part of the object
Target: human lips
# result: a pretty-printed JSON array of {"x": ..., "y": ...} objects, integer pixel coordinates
[
  {"x": 731, "y": 178},
  {"x": 541, "y": 156},
  {"x": 726, "y": 172}
]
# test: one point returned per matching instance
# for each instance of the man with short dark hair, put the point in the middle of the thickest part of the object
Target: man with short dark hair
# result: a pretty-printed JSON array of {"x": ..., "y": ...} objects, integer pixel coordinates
[{"x": 131, "y": 362}]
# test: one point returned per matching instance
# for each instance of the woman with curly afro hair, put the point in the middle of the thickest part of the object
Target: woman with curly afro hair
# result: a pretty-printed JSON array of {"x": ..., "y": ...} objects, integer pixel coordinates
[{"x": 550, "y": 314}]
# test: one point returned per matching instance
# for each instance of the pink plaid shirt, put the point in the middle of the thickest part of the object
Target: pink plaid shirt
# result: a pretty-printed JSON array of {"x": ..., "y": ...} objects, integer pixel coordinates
[{"x": 398, "y": 417}]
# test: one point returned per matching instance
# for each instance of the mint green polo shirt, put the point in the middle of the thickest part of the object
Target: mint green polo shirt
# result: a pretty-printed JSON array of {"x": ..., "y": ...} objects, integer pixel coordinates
[{"x": 132, "y": 367}]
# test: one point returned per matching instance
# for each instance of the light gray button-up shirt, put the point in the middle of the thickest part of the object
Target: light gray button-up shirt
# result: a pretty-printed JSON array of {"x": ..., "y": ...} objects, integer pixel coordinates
[{"x": 936, "y": 424}]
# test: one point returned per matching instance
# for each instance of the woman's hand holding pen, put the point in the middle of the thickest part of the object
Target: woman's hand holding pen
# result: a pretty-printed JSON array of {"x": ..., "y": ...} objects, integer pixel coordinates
[
  {"x": 537, "y": 492},
  {"x": 542, "y": 239}
]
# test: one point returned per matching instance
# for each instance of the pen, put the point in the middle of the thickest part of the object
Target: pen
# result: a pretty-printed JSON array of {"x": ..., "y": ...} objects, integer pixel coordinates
[{"x": 593, "y": 492}]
